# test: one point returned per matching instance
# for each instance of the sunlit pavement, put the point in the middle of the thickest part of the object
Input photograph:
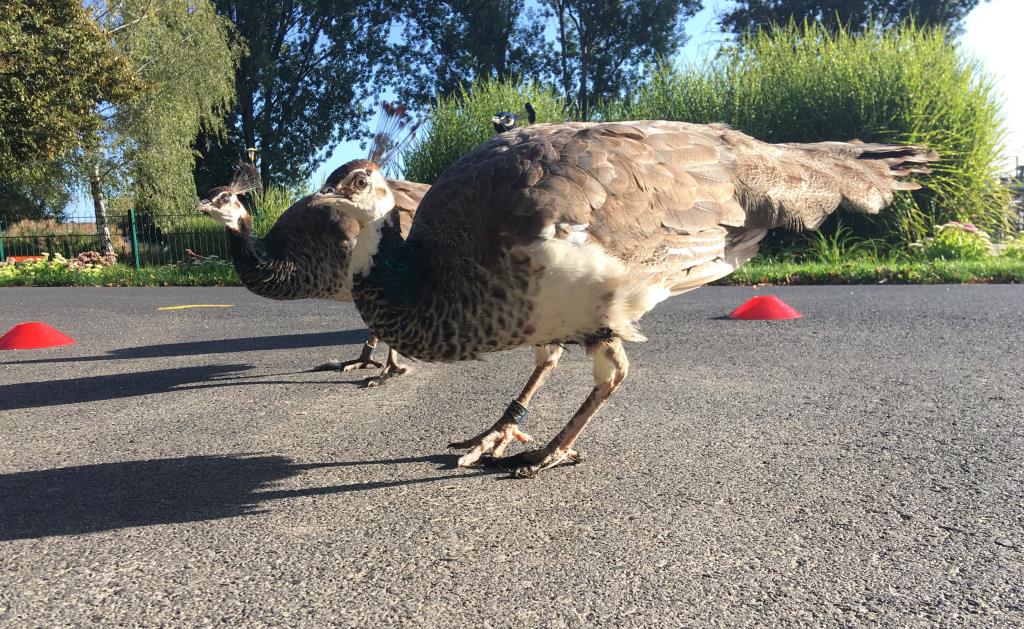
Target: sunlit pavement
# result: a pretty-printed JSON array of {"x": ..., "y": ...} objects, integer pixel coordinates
[{"x": 860, "y": 465}]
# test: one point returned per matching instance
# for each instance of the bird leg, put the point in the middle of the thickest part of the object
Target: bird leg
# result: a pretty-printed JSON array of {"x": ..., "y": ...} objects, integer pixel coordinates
[
  {"x": 363, "y": 362},
  {"x": 391, "y": 369},
  {"x": 610, "y": 369},
  {"x": 496, "y": 439}
]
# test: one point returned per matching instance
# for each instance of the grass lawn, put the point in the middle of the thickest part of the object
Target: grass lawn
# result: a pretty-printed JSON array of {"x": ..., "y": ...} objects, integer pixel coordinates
[
  {"x": 996, "y": 270},
  {"x": 120, "y": 275}
]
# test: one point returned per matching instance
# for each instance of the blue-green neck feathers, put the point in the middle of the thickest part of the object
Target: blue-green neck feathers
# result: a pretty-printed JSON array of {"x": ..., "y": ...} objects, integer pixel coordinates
[{"x": 397, "y": 272}]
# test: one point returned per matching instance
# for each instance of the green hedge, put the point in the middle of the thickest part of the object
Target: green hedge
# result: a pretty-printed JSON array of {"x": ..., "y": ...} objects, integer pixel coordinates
[
  {"x": 906, "y": 85},
  {"x": 458, "y": 123},
  {"x": 801, "y": 84}
]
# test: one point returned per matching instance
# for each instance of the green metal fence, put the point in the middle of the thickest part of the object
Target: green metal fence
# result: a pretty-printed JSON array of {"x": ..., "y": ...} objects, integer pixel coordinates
[{"x": 138, "y": 239}]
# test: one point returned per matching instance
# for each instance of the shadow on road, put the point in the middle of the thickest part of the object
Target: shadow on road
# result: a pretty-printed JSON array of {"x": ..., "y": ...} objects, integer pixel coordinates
[
  {"x": 221, "y": 346},
  {"x": 123, "y": 385},
  {"x": 110, "y": 496}
]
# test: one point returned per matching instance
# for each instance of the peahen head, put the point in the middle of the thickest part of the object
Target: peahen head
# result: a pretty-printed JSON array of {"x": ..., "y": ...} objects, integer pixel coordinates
[
  {"x": 359, "y": 189},
  {"x": 506, "y": 120},
  {"x": 503, "y": 121},
  {"x": 223, "y": 204}
]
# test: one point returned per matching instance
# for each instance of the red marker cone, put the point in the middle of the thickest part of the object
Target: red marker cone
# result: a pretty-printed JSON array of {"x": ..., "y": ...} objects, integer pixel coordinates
[
  {"x": 765, "y": 307},
  {"x": 34, "y": 335}
]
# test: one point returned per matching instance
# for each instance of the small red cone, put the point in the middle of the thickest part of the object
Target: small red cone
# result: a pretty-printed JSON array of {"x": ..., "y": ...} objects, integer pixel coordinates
[
  {"x": 34, "y": 335},
  {"x": 765, "y": 307}
]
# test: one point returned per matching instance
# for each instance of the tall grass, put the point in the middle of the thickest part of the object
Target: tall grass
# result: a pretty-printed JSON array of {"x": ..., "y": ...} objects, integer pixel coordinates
[
  {"x": 457, "y": 123},
  {"x": 838, "y": 246},
  {"x": 906, "y": 85},
  {"x": 266, "y": 207}
]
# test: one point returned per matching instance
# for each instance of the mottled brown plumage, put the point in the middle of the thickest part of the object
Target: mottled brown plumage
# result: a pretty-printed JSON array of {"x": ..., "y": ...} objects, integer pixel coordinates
[{"x": 569, "y": 233}]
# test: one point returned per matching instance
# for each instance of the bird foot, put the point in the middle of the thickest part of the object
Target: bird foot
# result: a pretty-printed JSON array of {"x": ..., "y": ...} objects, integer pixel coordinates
[
  {"x": 388, "y": 372},
  {"x": 348, "y": 365},
  {"x": 494, "y": 441},
  {"x": 529, "y": 464}
]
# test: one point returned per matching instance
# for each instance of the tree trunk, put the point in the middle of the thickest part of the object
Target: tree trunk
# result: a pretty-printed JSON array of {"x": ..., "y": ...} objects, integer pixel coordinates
[
  {"x": 584, "y": 97},
  {"x": 566, "y": 79},
  {"x": 99, "y": 204}
]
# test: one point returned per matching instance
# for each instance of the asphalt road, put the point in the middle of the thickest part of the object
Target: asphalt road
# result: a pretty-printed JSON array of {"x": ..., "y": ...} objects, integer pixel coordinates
[{"x": 862, "y": 465}]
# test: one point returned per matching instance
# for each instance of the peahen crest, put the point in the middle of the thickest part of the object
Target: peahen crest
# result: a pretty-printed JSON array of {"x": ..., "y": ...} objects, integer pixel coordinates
[
  {"x": 246, "y": 179},
  {"x": 395, "y": 130}
]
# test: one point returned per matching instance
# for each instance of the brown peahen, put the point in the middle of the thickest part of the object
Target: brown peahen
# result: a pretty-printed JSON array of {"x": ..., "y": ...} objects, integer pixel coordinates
[{"x": 570, "y": 233}]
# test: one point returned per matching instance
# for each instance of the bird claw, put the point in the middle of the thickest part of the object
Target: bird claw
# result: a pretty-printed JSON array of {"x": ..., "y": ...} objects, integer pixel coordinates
[
  {"x": 369, "y": 363},
  {"x": 529, "y": 464},
  {"x": 493, "y": 442},
  {"x": 387, "y": 373},
  {"x": 348, "y": 365}
]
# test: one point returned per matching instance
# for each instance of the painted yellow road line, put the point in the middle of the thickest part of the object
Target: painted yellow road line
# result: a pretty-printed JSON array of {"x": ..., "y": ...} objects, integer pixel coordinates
[{"x": 187, "y": 306}]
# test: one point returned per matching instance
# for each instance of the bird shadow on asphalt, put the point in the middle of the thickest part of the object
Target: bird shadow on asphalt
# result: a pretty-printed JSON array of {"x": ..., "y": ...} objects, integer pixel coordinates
[
  {"x": 124, "y": 385},
  {"x": 112, "y": 496},
  {"x": 219, "y": 346}
]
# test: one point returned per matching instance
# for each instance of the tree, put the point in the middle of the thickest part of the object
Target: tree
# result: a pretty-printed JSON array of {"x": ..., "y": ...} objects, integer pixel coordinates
[
  {"x": 310, "y": 66},
  {"x": 854, "y": 15},
  {"x": 450, "y": 43},
  {"x": 56, "y": 64},
  {"x": 605, "y": 45},
  {"x": 40, "y": 191},
  {"x": 181, "y": 54}
]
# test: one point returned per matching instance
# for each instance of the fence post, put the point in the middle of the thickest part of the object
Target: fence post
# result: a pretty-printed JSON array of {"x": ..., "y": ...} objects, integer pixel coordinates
[
  {"x": 135, "y": 239},
  {"x": 3, "y": 258}
]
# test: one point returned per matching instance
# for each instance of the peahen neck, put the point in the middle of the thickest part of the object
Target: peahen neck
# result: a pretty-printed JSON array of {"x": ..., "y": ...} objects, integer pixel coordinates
[
  {"x": 382, "y": 261},
  {"x": 263, "y": 268},
  {"x": 246, "y": 247}
]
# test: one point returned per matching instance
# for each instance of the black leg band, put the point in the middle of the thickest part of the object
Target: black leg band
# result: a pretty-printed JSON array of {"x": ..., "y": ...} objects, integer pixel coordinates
[{"x": 515, "y": 412}]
